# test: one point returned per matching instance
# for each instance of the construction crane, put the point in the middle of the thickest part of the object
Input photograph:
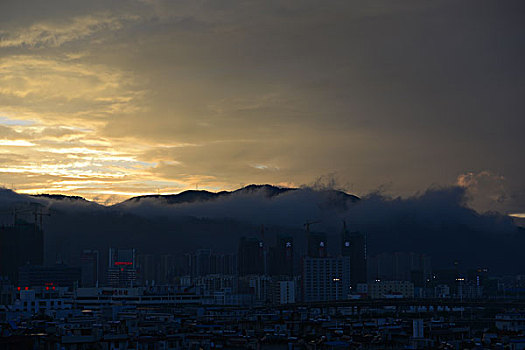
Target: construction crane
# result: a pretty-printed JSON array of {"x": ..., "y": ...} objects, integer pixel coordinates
[
  {"x": 34, "y": 208},
  {"x": 308, "y": 223}
]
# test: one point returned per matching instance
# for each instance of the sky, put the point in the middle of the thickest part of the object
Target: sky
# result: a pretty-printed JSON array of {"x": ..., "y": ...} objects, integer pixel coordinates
[{"x": 112, "y": 99}]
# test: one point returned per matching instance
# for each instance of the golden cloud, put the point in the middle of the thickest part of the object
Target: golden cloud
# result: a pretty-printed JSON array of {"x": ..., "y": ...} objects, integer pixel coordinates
[{"x": 55, "y": 33}]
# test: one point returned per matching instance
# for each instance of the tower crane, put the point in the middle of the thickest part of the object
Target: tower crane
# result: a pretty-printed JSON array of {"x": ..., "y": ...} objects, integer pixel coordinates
[
  {"x": 308, "y": 223},
  {"x": 35, "y": 209}
]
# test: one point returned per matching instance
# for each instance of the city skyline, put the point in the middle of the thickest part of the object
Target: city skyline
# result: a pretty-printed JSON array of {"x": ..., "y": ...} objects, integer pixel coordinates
[
  {"x": 262, "y": 174},
  {"x": 109, "y": 101}
]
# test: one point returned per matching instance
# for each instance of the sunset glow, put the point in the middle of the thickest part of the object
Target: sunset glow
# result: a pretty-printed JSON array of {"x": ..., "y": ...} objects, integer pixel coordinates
[{"x": 154, "y": 96}]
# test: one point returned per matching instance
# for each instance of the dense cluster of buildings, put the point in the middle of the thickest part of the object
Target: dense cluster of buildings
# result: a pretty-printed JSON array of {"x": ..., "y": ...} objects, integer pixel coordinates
[
  {"x": 163, "y": 318},
  {"x": 256, "y": 275},
  {"x": 134, "y": 298}
]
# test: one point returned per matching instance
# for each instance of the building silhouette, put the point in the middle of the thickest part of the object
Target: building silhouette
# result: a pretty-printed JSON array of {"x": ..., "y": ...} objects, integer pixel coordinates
[
  {"x": 317, "y": 245},
  {"x": 122, "y": 269},
  {"x": 326, "y": 279},
  {"x": 90, "y": 266},
  {"x": 147, "y": 269},
  {"x": 251, "y": 257},
  {"x": 167, "y": 268},
  {"x": 353, "y": 245},
  {"x": 225, "y": 264},
  {"x": 401, "y": 266},
  {"x": 20, "y": 244},
  {"x": 281, "y": 257}
]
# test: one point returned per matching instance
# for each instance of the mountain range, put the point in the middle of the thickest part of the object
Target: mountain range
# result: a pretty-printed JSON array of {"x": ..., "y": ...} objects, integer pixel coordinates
[
  {"x": 437, "y": 222},
  {"x": 192, "y": 196}
]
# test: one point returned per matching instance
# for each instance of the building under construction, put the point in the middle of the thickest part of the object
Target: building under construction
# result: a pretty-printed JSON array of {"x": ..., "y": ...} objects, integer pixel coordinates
[{"x": 20, "y": 244}]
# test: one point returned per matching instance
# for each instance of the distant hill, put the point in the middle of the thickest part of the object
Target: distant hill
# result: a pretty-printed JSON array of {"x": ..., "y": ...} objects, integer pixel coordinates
[
  {"x": 192, "y": 196},
  {"x": 183, "y": 197}
]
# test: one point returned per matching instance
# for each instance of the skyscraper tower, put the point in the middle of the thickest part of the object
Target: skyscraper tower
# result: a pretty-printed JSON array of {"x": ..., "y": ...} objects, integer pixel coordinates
[
  {"x": 251, "y": 257},
  {"x": 317, "y": 245},
  {"x": 89, "y": 265},
  {"x": 281, "y": 257},
  {"x": 122, "y": 270},
  {"x": 353, "y": 244},
  {"x": 346, "y": 245},
  {"x": 20, "y": 244}
]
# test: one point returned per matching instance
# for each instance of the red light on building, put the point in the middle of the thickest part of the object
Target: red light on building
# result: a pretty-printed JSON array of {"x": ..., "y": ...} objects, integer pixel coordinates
[
  {"x": 118, "y": 263},
  {"x": 26, "y": 288},
  {"x": 19, "y": 288},
  {"x": 47, "y": 288},
  {"x": 53, "y": 287}
]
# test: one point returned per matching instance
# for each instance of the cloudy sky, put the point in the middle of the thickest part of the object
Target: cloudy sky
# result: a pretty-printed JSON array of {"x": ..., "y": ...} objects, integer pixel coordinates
[{"x": 110, "y": 99}]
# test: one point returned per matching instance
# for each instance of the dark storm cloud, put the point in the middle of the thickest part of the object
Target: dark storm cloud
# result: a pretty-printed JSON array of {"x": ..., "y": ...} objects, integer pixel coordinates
[{"x": 434, "y": 83}]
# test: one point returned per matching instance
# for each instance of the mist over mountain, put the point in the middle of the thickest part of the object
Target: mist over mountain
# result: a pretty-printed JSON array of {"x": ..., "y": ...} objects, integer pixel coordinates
[{"x": 437, "y": 222}]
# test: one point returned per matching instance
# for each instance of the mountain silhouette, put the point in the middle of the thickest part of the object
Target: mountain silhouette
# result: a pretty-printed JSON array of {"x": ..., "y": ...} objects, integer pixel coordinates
[{"x": 191, "y": 196}]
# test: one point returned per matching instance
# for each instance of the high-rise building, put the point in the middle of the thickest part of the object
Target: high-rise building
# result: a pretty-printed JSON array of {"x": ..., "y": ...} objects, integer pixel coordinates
[
  {"x": 326, "y": 279},
  {"x": 251, "y": 258},
  {"x": 317, "y": 245},
  {"x": 181, "y": 265},
  {"x": 147, "y": 269},
  {"x": 190, "y": 263},
  {"x": 89, "y": 266},
  {"x": 353, "y": 245},
  {"x": 20, "y": 244},
  {"x": 200, "y": 262},
  {"x": 167, "y": 268},
  {"x": 203, "y": 262},
  {"x": 281, "y": 257},
  {"x": 346, "y": 244},
  {"x": 122, "y": 270},
  {"x": 225, "y": 264}
]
